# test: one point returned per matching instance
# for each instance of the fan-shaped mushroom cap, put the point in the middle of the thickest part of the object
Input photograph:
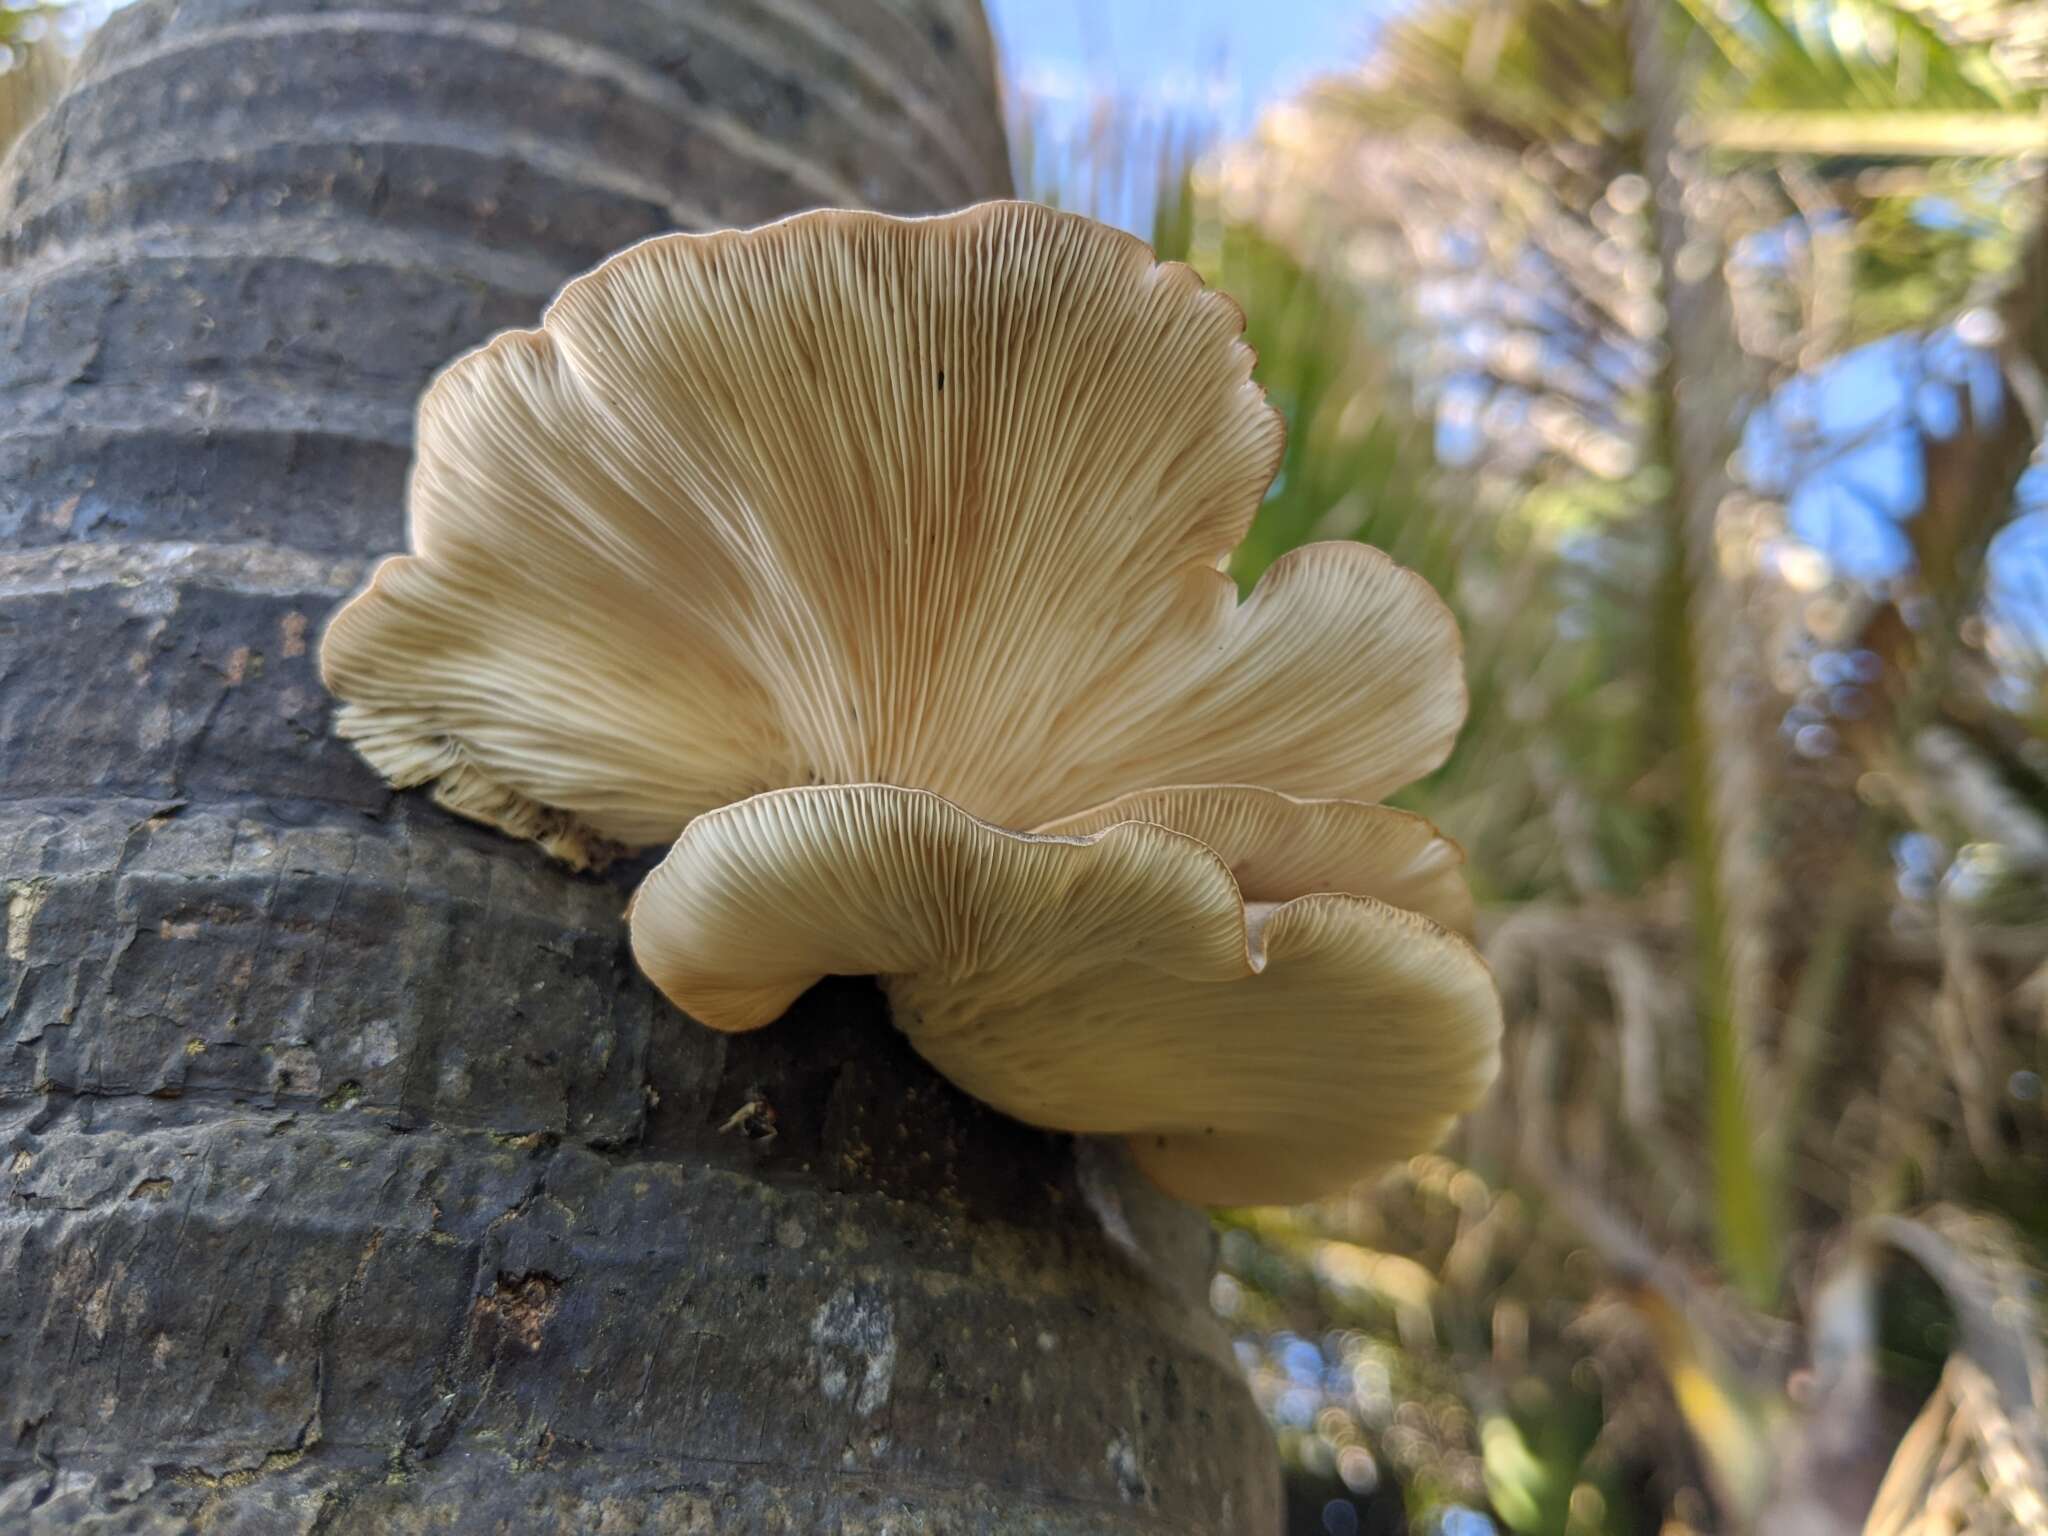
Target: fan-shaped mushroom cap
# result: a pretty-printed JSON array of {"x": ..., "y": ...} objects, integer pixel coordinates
[
  {"x": 850, "y": 498},
  {"x": 1113, "y": 981}
]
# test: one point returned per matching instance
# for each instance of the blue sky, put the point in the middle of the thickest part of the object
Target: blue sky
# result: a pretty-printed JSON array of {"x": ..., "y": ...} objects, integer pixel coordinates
[{"x": 1231, "y": 57}]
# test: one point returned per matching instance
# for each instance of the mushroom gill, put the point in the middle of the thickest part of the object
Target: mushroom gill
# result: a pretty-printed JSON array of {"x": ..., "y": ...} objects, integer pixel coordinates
[{"x": 850, "y": 498}]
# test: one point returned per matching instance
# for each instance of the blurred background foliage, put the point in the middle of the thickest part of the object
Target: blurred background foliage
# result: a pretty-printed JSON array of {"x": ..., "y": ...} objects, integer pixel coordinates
[
  {"x": 1694, "y": 350},
  {"x": 34, "y": 53}
]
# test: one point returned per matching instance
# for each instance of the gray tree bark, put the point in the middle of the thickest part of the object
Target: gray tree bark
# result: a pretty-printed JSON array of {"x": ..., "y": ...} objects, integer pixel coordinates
[{"x": 350, "y": 1178}]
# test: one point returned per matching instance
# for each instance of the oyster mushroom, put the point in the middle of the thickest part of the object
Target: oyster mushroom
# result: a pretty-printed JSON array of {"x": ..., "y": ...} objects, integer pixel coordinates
[
  {"x": 937, "y": 502},
  {"x": 877, "y": 564}
]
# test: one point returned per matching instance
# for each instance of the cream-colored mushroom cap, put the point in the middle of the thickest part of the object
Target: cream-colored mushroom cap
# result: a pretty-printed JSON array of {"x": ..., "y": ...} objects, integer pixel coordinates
[
  {"x": 849, "y": 498},
  {"x": 1108, "y": 981}
]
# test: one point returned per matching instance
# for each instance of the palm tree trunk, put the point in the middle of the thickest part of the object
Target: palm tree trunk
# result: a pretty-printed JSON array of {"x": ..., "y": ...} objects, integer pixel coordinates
[
  {"x": 353, "y": 1180},
  {"x": 1700, "y": 389}
]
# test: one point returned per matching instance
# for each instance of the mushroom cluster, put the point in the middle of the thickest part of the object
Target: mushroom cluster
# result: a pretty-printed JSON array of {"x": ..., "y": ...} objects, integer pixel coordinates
[{"x": 877, "y": 565}]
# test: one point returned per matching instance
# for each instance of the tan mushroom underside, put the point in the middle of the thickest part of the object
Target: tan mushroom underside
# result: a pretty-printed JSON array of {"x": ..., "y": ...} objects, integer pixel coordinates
[
  {"x": 1111, "y": 982},
  {"x": 849, "y": 498},
  {"x": 1279, "y": 846}
]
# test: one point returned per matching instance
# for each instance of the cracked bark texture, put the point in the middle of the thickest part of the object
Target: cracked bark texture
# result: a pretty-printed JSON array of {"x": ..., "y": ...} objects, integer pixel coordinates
[{"x": 350, "y": 1179}]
